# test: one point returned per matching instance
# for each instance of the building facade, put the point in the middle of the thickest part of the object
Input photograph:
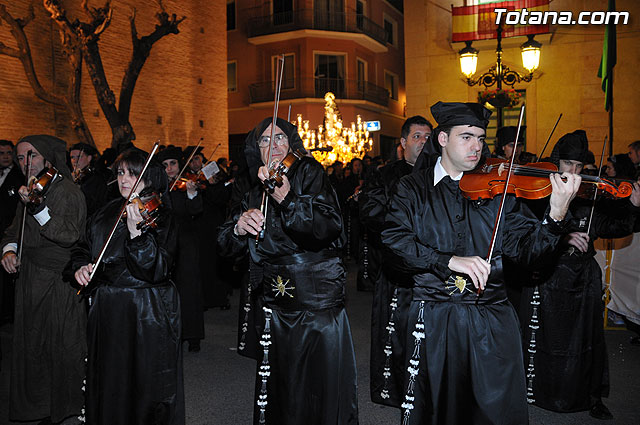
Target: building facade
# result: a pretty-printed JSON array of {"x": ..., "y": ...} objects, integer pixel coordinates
[
  {"x": 566, "y": 81},
  {"x": 180, "y": 95},
  {"x": 353, "y": 48}
]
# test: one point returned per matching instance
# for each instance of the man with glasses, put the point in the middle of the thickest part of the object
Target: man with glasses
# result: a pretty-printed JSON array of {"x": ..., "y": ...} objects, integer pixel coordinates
[
  {"x": 307, "y": 371},
  {"x": 390, "y": 299}
]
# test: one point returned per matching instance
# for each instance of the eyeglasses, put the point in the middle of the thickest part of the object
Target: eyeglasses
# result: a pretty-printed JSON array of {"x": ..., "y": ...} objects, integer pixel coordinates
[{"x": 281, "y": 139}]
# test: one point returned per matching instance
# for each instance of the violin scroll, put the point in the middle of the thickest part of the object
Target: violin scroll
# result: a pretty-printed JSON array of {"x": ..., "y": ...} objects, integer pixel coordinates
[
  {"x": 39, "y": 185},
  {"x": 150, "y": 207},
  {"x": 282, "y": 168}
]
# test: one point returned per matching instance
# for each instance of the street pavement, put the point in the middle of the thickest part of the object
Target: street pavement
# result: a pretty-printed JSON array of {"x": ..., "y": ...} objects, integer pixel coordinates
[{"x": 219, "y": 383}]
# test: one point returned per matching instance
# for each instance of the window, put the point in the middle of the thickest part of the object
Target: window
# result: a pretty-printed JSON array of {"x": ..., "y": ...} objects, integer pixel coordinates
[
  {"x": 231, "y": 15},
  {"x": 282, "y": 12},
  {"x": 361, "y": 69},
  {"x": 509, "y": 116},
  {"x": 390, "y": 29},
  {"x": 288, "y": 73},
  {"x": 329, "y": 75},
  {"x": 360, "y": 14},
  {"x": 232, "y": 78},
  {"x": 391, "y": 84}
]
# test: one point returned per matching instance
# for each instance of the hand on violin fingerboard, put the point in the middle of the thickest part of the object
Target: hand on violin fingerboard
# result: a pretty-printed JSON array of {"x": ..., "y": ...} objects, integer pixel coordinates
[
  {"x": 133, "y": 218},
  {"x": 564, "y": 189},
  {"x": 280, "y": 192},
  {"x": 250, "y": 221},
  {"x": 635, "y": 195}
]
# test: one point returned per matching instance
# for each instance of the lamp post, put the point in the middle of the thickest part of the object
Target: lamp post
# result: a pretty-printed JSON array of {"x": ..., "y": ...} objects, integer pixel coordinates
[{"x": 499, "y": 73}]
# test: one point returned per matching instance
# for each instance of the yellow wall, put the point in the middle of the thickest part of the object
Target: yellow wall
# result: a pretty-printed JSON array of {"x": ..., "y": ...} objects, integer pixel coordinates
[{"x": 566, "y": 81}]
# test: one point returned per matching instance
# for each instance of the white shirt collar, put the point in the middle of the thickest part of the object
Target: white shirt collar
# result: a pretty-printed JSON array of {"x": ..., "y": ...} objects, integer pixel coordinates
[{"x": 439, "y": 172}]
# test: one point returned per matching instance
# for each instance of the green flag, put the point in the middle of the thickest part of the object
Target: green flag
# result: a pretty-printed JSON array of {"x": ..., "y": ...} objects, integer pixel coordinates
[{"x": 608, "y": 60}]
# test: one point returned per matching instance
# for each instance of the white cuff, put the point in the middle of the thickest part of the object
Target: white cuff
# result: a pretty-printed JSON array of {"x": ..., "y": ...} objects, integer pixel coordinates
[
  {"x": 191, "y": 197},
  {"x": 10, "y": 247},
  {"x": 43, "y": 216}
]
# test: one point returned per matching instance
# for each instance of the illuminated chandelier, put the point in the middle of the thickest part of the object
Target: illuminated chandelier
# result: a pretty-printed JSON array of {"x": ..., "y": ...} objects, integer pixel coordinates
[{"x": 331, "y": 141}]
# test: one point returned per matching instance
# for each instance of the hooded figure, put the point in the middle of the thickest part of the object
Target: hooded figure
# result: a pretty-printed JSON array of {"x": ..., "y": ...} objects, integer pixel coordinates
[
  {"x": 252, "y": 151},
  {"x": 52, "y": 149},
  {"x": 49, "y": 340},
  {"x": 295, "y": 304},
  {"x": 565, "y": 306}
]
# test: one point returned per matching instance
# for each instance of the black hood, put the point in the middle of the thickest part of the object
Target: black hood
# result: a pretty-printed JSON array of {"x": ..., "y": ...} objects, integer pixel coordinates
[
  {"x": 52, "y": 149},
  {"x": 252, "y": 151}
]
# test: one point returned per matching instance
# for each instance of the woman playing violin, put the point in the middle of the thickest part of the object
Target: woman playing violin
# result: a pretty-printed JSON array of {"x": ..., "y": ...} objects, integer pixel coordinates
[
  {"x": 134, "y": 367},
  {"x": 306, "y": 364},
  {"x": 569, "y": 342}
]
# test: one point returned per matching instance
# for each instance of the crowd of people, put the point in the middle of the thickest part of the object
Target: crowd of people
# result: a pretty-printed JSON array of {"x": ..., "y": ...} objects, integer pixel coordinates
[{"x": 110, "y": 261}]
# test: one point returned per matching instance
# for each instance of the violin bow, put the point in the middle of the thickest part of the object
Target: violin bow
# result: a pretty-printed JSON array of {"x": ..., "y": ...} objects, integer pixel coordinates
[
  {"x": 210, "y": 156},
  {"x": 24, "y": 210},
  {"x": 549, "y": 138},
  {"x": 122, "y": 210},
  {"x": 186, "y": 164},
  {"x": 75, "y": 167},
  {"x": 264, "y": 204},
  {"x": 595, "y": 192},
  {"x": 496, "y": 226}
]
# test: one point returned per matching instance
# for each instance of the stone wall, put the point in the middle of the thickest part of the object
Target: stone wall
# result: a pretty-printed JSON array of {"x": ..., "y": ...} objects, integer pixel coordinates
[{"x": 181, "y": 93}]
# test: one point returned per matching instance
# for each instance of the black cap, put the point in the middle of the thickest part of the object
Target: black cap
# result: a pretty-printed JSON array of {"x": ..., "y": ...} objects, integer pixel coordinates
[
  {"x": 84, "y": 147},
  {"x": 506, "y": 135},
  {"x": 170, "y": 152},
  {"x": 449, "y": 114},
  {"x": 189, "y": 149},
  {"x": 572, "y": 146}
]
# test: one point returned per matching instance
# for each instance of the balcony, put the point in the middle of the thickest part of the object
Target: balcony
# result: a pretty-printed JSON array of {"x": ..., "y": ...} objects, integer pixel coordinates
[
  {"x": 307, "y": 22},
  {"x": 317, "y": 87}
]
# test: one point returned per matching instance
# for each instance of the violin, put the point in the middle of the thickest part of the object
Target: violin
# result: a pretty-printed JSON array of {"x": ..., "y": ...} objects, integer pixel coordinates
[
  {"x": 150, "y": 207},
  {"x": 39, "y": 185},
  {"x": 282, "y": 168},
  {"x": 79, "y": 175},
  {"x": 181, "y": 183},
  {"x": 529, "y": 181}
]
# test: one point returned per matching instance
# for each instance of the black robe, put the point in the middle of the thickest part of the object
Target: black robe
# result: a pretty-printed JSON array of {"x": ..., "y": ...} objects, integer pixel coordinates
[
  {"x": 390, "y": 299},
  {"x": 134, "y": 369},
  {"x": 307, "y": 373},
  {"x": 94, "y": 187},
  {"x": 562, "y": 318},
  {"x": 463, "y": 357},
  {"x": 187, "y": 273},
  {"x": 49, "y": 340}
]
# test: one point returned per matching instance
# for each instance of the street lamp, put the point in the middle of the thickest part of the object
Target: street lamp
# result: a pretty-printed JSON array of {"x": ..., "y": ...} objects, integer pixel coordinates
[{"x": 500, "y": 73}]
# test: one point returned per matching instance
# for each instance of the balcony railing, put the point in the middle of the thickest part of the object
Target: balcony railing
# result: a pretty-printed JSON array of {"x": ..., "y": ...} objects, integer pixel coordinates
[
  {"x": 310, "y": 19},
  {"x": 318, "y": 87}
]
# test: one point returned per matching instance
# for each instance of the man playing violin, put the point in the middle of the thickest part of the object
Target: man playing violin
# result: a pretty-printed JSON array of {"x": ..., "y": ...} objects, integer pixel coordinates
[
  {"x": 306, "y": 361},
  {"x": 463, "y": 357},
  {"x": 187, "y": 206},
  {"x": 564, "y": 303},
  {"x": 92, "y": 181},
  {"x": 49, "y": 340}
]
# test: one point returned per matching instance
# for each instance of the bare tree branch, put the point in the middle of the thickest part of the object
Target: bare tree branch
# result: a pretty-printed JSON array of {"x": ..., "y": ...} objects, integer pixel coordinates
[
  {"x": 24, "y": 54},
  {"x": 141, "y": 50}
]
